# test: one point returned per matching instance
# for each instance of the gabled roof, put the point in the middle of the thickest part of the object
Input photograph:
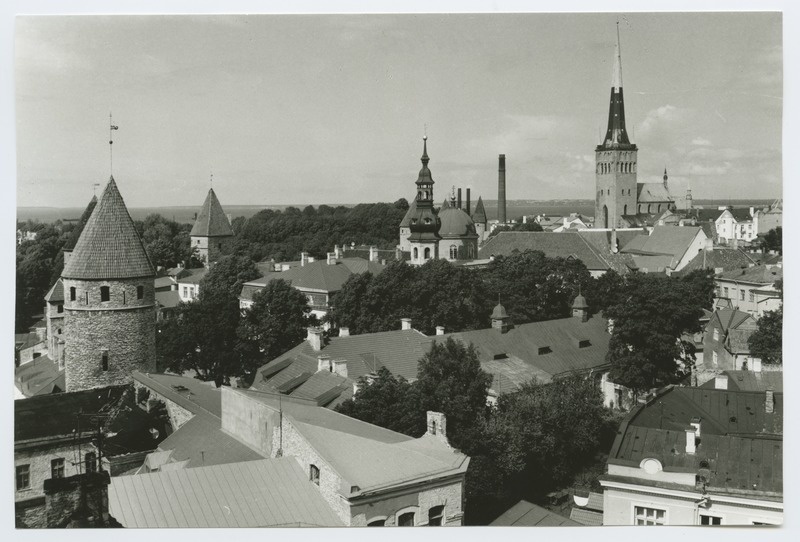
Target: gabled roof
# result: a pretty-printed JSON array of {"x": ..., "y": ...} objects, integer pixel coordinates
[
  {"x": 653, "y": 193},
  {"x": 56, "y": 292},
  {"x": 758, "y": 274},
  {"x": 741, "y": 442},
  {"x": 168, "y": 299},
  {"x": 479, "y": 214},
  {"x": 554, "y": 245},
  {"x": 731, "y": 319},
  {"x": 212, "y": 221},
  {"x": 193, "y": 276},
  {"x": 740, "y": 215},
  {"x": 109, "y": 246},
  {"x": 751, "y": 381},
  {"x": 266, "y": 493},
  {"x": 39, "y": 377},
  {"x": 525, "y": 514},
  {"x": 663, "y": 248}
]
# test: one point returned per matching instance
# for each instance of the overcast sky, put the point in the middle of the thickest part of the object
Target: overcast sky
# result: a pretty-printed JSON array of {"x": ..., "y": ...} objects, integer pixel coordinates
[{"x": 332, "y": 109}]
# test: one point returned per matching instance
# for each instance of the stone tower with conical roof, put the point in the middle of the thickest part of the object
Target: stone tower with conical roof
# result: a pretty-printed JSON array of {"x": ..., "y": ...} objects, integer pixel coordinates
[
  {"x": 109, "y": 300},
  {"x": 615, "y": 161},
  {"x": 424, "y": 224},
  {"x": 212, "y": 235},
  {"x": 479, "y": 218}
]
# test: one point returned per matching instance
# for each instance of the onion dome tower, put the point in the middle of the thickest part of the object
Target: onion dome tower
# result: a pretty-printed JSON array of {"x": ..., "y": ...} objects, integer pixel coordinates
[
  {"x": 424, "y": 225},
  {"x": 615, "y": 160},
  {"x": 109, "y": 300},
  {"x": 212, "y": 234}
]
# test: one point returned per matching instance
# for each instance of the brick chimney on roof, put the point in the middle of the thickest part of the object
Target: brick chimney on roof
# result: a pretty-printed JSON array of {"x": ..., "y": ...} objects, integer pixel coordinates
[{"x": 770, "y": 401}]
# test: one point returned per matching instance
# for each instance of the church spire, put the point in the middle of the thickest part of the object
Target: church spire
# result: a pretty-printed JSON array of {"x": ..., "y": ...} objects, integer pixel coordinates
[{"x": 616, "y": 134}]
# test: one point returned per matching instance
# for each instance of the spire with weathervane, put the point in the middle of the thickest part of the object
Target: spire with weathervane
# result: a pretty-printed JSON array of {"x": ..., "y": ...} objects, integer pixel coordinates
[
  {"x": 616, "y": 134},
  {"x": 424, "y": 224}
]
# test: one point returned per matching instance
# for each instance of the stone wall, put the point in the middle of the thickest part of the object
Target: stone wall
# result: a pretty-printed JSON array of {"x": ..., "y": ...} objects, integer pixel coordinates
[
  {"x": 210, "y": 249},
  {"x": 30, "y": 513},
  {"x": 447, "y": 493},
  {"x": 124, "y": 326},
  {"x": 39, "y": 458},
  {"x": 248, "y": 420},
  {"x": 177, "y": 414}
]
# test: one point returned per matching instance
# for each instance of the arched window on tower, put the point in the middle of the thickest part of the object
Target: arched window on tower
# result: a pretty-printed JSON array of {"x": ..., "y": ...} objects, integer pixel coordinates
[
  {"x": 105, "y": 293},
  {"x": 453, "y": 252},
  {"x": 416, "y": 253},
  {"x": 624, "y": 210},
  {"x": 427, "y": 253},
  {"x": 72, "y": 293}
]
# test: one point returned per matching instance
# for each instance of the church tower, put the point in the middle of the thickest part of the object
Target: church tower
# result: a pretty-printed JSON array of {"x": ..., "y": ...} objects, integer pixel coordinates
[
  {"x": 212, "y": 234},
  {"x": 424, "y": 224},
  {"x": 109, "y": 300},
  {"x": 615, "y": 161}
]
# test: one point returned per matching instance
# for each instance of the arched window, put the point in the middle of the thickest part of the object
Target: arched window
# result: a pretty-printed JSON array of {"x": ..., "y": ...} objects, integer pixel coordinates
[
  {"x": 435, "y": 515},
  {"x": 406, "y": 519},
  {"x": 377, "y": 522},
  {"x": 313, "y": 474},
  {"x": 625, "y": 210},
  {"x": 659, "y": 208},
  {"x": 649, "y": 208},
  {"x": 72, "y": 293},
  {"x": 427, "y": 253},
  {"x": 453, "y": 252},
  {"x": 139, "y": 292},
  {"x": 105, "y": 293},
  {"x": 416, "y": 253}
]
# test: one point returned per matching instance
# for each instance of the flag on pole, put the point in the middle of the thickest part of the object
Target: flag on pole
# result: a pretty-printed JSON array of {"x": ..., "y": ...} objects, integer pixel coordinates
[{"x": 114, "y": 127}]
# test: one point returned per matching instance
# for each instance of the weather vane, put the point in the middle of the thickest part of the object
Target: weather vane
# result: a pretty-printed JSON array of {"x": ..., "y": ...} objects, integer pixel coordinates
[{"x": 111, "y": 128}]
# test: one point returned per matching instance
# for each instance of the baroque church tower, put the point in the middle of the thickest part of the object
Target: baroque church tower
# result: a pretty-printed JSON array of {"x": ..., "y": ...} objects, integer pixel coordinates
[
  {"x": 615, "y": 160},
  {"x": 423, "y": 239},
  {"x": 109, "y": 300}
]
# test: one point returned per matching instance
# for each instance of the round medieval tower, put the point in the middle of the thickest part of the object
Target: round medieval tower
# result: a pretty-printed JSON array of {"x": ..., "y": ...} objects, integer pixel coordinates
[{"x": 109, "y": 300}]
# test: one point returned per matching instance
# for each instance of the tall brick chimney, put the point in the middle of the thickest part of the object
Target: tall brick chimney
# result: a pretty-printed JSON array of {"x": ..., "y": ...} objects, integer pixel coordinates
[
  {"x": 501, "y": 190},
  {"x": 458, "y": 199},
  {"x": 468, "y": 209}
]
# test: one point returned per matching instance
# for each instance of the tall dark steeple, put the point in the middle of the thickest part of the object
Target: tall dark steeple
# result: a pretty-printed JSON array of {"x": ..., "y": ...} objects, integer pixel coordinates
[
  {"x": 615, "y": 158},
  {"x": 424, "y": 226}
]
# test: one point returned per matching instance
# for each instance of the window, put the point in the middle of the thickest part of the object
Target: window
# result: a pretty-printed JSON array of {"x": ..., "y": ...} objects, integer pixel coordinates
[
  {"x": 706, "y": 519},
  {"x": 584, "y": 343},
  {"x": 752, "y": 296},
  {"x": 377, "y": 523},
  {"x": 139, "y": 292},
  {"x": 57, "y": 468},
  {"x": 86, "y": 298},
  {"x": 60, "y": 308},
  {"x": 726, "y": 291},
  {"x": 453, "y": 252},
  {"x": 741, "y": 295},
  {"x": 23, "y": 477},
  {"x": 314, "y": 474},
  {"x": 416, "y": 253},
  {"x": 72, "y": 293},
  {"x": 649, "y": 516},
  {"x": 104, "y": 360},
  {"x": 544, "y": 350},
  {"x": 714, "y": 358},
  {"x": 716, "y": 334},
  {"x": 185, "y": 291},
  {"x": 105, "y": 293},
  {"x": 427, "y": 253},
  {"x": 435, "y": 516},
  {"x": 90, "y": 461},
  {"x": 405, "y": 520}
]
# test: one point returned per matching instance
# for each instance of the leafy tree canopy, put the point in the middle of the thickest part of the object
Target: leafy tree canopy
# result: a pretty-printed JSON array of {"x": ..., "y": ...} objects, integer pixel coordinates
[{"x": 767, "y": 340}]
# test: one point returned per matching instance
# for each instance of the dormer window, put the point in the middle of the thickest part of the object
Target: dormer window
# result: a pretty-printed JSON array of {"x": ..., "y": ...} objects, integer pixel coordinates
[
  {"x": 501, "y": 355},
  {"x": 544, "y": 350},
  {"x": 313, "y": 474},
  {"x": 586, "y": 343}
]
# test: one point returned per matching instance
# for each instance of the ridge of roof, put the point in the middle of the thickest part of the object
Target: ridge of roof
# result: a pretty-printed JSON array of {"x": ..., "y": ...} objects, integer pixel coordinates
[
  {"x": 109, "y": 246},
  {"x": 212, "y": 221}
]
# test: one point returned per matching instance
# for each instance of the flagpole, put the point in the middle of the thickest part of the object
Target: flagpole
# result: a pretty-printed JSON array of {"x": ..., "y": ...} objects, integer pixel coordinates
[{"x": 110, "y": 146}]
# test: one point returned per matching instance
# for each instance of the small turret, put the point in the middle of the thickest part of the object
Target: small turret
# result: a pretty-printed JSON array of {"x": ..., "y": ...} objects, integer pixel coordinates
[
  {"x": 580, "y": 309},
  {"x": 500, "y": 318}
]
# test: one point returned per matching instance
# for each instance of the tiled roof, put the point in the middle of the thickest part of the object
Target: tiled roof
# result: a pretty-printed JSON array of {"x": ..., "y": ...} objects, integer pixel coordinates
[
  {"x": 412, "y": 208},
  {"x": 55, "y": 415},
  {"x": 267, "y": 493},
  {"x": 211, "y": 222},
  {"x": 554, "y": 245},
  {"x": 515, "y": 354},
  {"x": 731, "y": 319},
  {"x": 525, "y": 514},
  {"x": 740, "y": 215},
  {"x": 168, "y": 299},
  {"x": 727, "y": 259},
  {"x": 758, "y": 274},
  {"x": 193, "y": 276},
  {"x": 751, "y": 381},
  {"x": 652, "y": 193},
  {"x": 590, "y": 518},
  {"x": 23, "y": 341},
  {"x": 201, "y": 442},
  {"x": 664, "y": 240},
  {"x": 109, "y": 246},
  {"x": 56, "y": 292},
  {"x": 39, "y": 377},
  {"x": 740, "y": 441}
]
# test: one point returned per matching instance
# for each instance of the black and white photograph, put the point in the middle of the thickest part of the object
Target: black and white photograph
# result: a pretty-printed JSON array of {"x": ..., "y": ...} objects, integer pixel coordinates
[{"x": 507, "y": 269}]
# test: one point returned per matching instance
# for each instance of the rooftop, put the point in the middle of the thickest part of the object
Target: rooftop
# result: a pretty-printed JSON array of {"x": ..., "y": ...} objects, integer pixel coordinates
[
  {"x": 726, "y": 259},
  {"x": 567, "y": 244},
  {"x": 266, "y": 493},
  {"x": 193, "y": 276},
  {"x": 211, "y": 222},
  {"x": 39, "y": 377},
  {"x": 190, "y": 393},
  {"x": 525, "y": 514},
  {"x": 56, "y": 293},
  {"x": 168, "y": 299},
  {"x": 751, "y": 381},
  {"x": 653, "y": 193},
  {"x": 758, "y": 274}
]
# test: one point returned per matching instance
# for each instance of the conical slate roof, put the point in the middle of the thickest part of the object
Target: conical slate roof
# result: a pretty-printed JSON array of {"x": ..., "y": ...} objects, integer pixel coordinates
[
  {"x": 212, "y": 222},
  {"x": 479, "y": 214},
  {"x": 109, "y": 246}
]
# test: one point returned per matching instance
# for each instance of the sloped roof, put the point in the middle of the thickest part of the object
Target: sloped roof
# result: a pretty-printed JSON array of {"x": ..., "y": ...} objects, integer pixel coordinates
[
  {"x": 56, "y": 292},
  {"x": 653, "y": 193},
  {"x": 742, "y": 443},
  {"x": 740, "y": 215},
  {"x": 664, "y": 240},
  {"x": 751, "y": 381},
  {"x": 212, "y": 221},
  {"x": 731, "y": 318},
  {"x": 109, "y": 246},
  {"x": 412, "y": 208},
  {"x": 525, "y": 514},
  {"x": 758, "y": 274},
  {"x": 456, "y": 223},
  {"x": 193, "y": 276},
  {"x": 553, "y": 245},
  {"x": 201, "y": 442},
  {"x": 515, "y": 354},
  {"x": 39, "y": 377},
  {"x": 479, "y": 214},
  {"x": 589, "y": 518},
  {"x": 23, "y": 341},
  {"x": 192, "y": 394},
  {"x": 266, "y": 493},
  {"x": 168, "y": 299}
]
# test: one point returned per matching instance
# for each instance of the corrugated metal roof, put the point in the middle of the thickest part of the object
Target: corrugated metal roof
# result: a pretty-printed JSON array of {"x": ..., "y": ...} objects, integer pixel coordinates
[
  {"x": 265, "y": 493},
  {"x": 212, "y": 221},
  {"x": 554, "y": 245},
  {"x": 190, "y": 393},
  {"x": 109, "y": 246},
  {"x": 751, "y": 381},
  {"x": 525, "y": 514}
]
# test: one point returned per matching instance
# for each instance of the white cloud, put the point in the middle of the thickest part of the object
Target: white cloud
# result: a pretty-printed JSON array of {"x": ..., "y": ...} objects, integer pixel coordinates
[
  {"x": 657, "y": 118},
  {"x": 701, "y": 142}
]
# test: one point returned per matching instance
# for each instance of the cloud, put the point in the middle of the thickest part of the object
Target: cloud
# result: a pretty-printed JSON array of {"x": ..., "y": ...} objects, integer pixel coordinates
[
  {"x": 701, "y": 142},
  {"x": 656, "y": 119}
]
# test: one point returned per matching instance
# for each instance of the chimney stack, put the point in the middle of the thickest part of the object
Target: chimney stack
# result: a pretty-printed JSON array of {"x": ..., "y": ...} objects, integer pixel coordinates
[
  {"x": 458, "y": 200},
  {"x": 437, "y": 425},
  {"x": 340, "y": 367},
  {"x": 501, "y": 190},
  {"x": 344, "y": 332},
  {"x": 303, "y": 258},
  {"x": 405, "y": 323},
  {"x": 721, "y": 382},
  {"x": 338, "y": 251},
  {"x": 691, "y": 444},
  {"x": 324, "y": 363},
  {"x": 469, "y": 210},
  {"x": 332, "y": 258},
  {"x": 770, "y": 402},
  {"x": 314, "y": 338},
  {"x": 373, "y": 254},
  {"x": 440, "y": 330},
  {"x": 756, "y": 365}
]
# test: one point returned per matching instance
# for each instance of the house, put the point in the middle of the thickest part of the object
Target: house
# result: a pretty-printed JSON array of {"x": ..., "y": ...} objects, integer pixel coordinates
[
  {"x": 29, "y": 346},
  {"x": 735, "y": 225},
  {"x": 725, "y": 342},
  {"x": 55, "y": 436},
  {"x": 189, "y": 284},
  {"x": 525, "y": 514},
  {"x": 281, "y": 449},
  {"x": 753, "y": 290},
  {"x": 318, "y": 280},
  {"x": 748, "y": 380},
  {"x": 768, "y": 218},
  {"x": 697, "y": 456},
  {"x": 719, "y": 259},
  {"x": 38, "y": 377},
  {"x": 54, "y": 316},
  {"x": 667, "y": 249}
]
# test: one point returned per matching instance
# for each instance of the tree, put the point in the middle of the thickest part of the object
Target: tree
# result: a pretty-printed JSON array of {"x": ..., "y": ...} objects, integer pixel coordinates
[
  {"x": 650, "y": 319},
  {"x": 167, "y": 243},
  {"x": 767, "y": 340},
  {"x": 278, "y": 319},
  {"x": 604, "y": 291},
  {"x": 773, "y": 240}
]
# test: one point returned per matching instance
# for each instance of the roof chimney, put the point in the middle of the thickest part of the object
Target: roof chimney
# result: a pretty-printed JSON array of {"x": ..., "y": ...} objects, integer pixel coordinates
[
  {"x": 468, "y": 205},
  {"x": 338, "y": 251},
  {"x": 332, "y": 258},
  {"x": 721, "y": 382},
  {"x": 770, "y": 402},
  {"x": 440, "y": 330},
  {"x": 314, "y": 338},
  {"x": 405, "y": 323},
  {"x": 756, "y": 364},
  {"x": 373, "y": 254},
  {"x": 501, "y": 190},
  {"x": 437, "y": 425},
  {"x": 691, "y": 443},
  {"x": 324, "y": 363},
  {"x": 340, "y": 367},
  {"x": 344, "y": 332},
  {"x": 696, "y": 424},
  {"x": 458, "y": 201},
  {"x": 303, "y": 258}
]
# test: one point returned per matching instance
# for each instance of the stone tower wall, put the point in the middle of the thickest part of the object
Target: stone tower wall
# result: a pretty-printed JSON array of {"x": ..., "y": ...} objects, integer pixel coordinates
[
  {"x": 124, "y": 326},
  {"x": 615, "y": 185},
  {"x": 211, "y": 249}
]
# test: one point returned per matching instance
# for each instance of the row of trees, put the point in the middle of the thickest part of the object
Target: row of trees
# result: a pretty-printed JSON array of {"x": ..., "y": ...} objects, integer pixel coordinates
[{"x": 534, "y": 440}]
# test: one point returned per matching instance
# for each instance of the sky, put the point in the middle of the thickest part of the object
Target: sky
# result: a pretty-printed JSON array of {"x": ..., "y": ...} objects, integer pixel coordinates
[{"x": 311, "y": 109}]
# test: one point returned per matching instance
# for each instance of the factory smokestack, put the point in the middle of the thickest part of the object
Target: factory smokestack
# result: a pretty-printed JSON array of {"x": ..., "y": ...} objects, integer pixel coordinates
[
  {"x": 468, "y": 208},
  {"x": 458, "y": 199},
  {"x": 501, "y": 190}
]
